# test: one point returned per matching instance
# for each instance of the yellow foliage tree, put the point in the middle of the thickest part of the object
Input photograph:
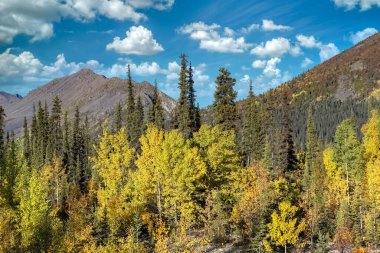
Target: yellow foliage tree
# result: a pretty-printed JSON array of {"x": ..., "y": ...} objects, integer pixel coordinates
[
  {"x": 371, "y": 143},
  {"x": 252, "y": 187},
  {"x": 169, "y": 175},
  {"x": 336, "y": 186},
  {"x": 113, "y": 164},
  {"x": 284, "y": 228}
]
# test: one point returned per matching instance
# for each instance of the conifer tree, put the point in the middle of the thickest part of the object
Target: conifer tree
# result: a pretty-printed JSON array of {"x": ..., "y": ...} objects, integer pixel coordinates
[
  {"x": 26, "y": 141},
  {"x": 155, "y": 113},
  {"x": 252, "y": 139},
  {"x": 67, "y": 161},
  {"x": 118, "y": 121},
  {"x": 2, "y": 143},
  {"x": 139, "y": 119},
  {"x": 130, "y": 128},
  {"x": 224, "y": 107},
  {"x": 56, "y": 138},
  {"x": 193, "y": 110},
  {"x": 287, "y": 156},
  {"x": 182, "y": 116}
]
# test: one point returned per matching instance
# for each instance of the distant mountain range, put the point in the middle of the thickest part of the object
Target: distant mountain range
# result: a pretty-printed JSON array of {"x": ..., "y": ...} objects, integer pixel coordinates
[{"x": 96, "y": 96}]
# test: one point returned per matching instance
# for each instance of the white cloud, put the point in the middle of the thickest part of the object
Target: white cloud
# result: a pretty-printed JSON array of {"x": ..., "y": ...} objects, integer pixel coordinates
[
  {"x": 308, "y": 41},
  {"x": 138, "y": 41},
  {"x": 26, "y": 67},
  {"x": 211, "y": 40},
  {"x": 250, "y": 28},
  {"x": 259, "y": 64},
  {"x": 362, "y": 35},
  {"x": 229, "y": 32},
  {"x": 326, "y": 51},
  {"x": 245, "y": 79},
  {"x": 351, "y": 4},
  {"x": 269, "y": 25},
  {"x": 271, "y": 69},
  {"x": 306, "y": 63},
  {"x": 273, "y": 48},
  {"x": 36, "y": 18}
]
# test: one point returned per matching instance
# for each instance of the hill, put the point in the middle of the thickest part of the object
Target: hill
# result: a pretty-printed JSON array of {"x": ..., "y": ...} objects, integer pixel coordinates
[
  {"x": 7, "y": 99},
  {"x": 95, "y": 95}
]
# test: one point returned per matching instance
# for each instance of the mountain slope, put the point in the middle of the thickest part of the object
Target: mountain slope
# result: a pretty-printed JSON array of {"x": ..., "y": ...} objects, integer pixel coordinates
[
  {"x": 335, "y": 89},
  {"x": 95, "y": 95},
  {"x": 7, "y": 99}
]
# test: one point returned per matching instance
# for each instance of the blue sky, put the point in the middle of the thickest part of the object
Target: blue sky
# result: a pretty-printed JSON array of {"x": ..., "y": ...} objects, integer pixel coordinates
[{"x": 267, "y": 41}]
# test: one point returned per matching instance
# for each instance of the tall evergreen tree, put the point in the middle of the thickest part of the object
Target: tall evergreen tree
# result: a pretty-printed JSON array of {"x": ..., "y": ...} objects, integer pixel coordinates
[
  {"x": 2, "y": 143},
  {"x": 286, "y": 154},
  {"x": 130, "y": 107},
  {"x": 156, "y": 114},
  {"x": 139, "y": 119},
  {"x": 118, "y": 120},
  {"x": 56, "y": 137},
  {"x": 67, "y": 161},
  {"x": 76, "y": 148},
  {"x": 193, "y": 110},
  {"x": 252, "y": 136},
  {"x": 26, "y": 141},
  {"x": 224, "y": 107},
  {"x": 182, "y": 116}
]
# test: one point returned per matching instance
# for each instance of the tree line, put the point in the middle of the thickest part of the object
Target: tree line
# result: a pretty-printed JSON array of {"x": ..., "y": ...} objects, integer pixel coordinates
[{"x": 146, "y": 186}]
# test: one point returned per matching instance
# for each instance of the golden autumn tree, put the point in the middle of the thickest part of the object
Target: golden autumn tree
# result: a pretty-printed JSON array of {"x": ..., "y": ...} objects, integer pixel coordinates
[
  {"x": 112, "y": 165},
  {"x": 371, "y": 143},
  {"x": 168, "y": 177},
  {"x": 253, "y": 192},
  {"x": 285, "y": 228}
]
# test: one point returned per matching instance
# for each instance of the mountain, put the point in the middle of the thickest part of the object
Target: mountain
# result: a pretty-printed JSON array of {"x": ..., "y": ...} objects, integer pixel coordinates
[
  {"x": 7, "y": 99},
  {"x": 341, "y": 87},
  {"x": 96, "y": 96}
]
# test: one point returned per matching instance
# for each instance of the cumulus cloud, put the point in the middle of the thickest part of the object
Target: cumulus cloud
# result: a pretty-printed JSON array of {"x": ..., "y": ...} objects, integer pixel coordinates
[
  {"x": 36, "y": 18},
  {"x": 266, "y": 25},
  {"x": 26, "y": 67},
  {"x": 211, "y": 40},
  {"x": 269, "y": 25},
  {"x": 250, "y": 28},
  {"x": 245, "y": 79},
  {"x": 326, "y": 51},
  {"x": 273, "y": 48},
  {"x": 306, "y": 63},
  {"x": 271, "y": 69},
  {"x": 352, "y": 4},
  {"x": 138, "y": 41},
  {"x": 362, "y": 35},
  {"x": 259, "y": 64}
]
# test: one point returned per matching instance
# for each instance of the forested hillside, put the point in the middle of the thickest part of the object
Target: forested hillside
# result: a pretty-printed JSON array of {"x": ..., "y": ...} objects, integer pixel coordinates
[{"x": 287, "y": 171}]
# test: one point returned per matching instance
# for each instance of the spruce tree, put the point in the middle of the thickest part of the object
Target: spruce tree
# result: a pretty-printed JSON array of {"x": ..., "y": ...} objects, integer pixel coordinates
[
  {"x": 67, "y": 161},
  {"x": 182, "y": 116},
  {"x": 56, "y": 138},
  {"x": 2, "y": 144},
  {"x": 130, "y": 107},
  {"x": 287, "y": 156},
  {"x": 224, "y": 107},
  {"x": 118, "y": 121},
  {"x": 77, "y": 147},
  {"x": 139, "y": 119},
  {"x": 26, "y": 141},
  {"x": 155, "y": 113},
  {"x": 193, "y": 110},
  {"x": 252, "y": 137}
]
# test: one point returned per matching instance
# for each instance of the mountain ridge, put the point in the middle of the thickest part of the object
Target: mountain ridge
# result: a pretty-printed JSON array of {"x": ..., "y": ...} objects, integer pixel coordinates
[{"x": 94, "y": 94}]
